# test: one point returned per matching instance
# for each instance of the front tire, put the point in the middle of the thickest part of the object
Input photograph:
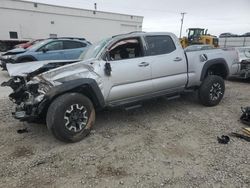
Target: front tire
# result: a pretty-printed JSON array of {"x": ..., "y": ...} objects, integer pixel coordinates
[
  {"x": 212, "y": 90},
  {"x": 70, "y": 117}
]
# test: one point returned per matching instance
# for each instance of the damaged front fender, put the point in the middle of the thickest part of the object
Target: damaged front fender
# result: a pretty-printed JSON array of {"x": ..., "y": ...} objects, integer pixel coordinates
[
  {"x": 86, "y": 86},
  {"x": 33, "y": 98}
]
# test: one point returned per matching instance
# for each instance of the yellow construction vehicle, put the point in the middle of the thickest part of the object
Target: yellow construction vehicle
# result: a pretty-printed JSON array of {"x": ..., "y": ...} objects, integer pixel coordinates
[{"x": 199, "y": 36}]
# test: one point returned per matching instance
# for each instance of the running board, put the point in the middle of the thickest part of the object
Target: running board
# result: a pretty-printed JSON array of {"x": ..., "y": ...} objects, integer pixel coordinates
[
  {"x": 132, "y": 107},
  {"x": 173, "y": 97}
]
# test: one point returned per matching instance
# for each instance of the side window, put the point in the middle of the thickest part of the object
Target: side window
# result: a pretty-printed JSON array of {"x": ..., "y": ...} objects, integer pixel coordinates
[
  {"x": 73, "y": 44},
  {"x": 161, "y": 44},
  {"x": 126, "y": 49},
  {"x": 53, "y": 46}
]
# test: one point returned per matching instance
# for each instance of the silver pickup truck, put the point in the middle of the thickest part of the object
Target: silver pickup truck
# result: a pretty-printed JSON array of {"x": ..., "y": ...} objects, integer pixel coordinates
[{"x": 119, "y": 71}]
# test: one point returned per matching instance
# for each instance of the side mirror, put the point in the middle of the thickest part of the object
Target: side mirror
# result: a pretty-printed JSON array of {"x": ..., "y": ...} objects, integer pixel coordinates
[
  {"x": 107, "y": 68},
  {"x": 45, "y": 50}
]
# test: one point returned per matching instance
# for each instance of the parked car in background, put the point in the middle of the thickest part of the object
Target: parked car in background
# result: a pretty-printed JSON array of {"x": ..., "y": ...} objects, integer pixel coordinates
[
  {"x": 28, "y": 44},
  {"x": 198, "y": 47},
  {"x": 119, "y": 71},
  {"x": 225, "y": 35},
  {"x": 246, "y": 34},
  {"x": 49, "y": 49}
]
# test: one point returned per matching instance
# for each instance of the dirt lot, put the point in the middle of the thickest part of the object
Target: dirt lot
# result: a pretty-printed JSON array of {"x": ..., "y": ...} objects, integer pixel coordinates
[{"x": 163, "y": 144}]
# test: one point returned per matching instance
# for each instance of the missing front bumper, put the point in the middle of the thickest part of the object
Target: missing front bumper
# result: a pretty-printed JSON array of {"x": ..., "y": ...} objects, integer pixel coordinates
[{"x": 23, "y": 116}]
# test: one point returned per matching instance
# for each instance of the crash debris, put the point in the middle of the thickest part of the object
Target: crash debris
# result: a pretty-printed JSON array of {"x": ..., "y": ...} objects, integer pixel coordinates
[
  {"x": 245, "y": 117},
  {"x": 223, "y": 139},
  {"x": 21, "y": 131},
  {"x": 241, "y": 136},
  {"x": 246, "y": 131}
]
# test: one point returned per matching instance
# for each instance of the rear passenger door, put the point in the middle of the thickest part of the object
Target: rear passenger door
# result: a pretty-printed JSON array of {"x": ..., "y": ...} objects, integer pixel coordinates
[
  {"x": 168, "y": 63},
  {"x": 73, "y": 49}
]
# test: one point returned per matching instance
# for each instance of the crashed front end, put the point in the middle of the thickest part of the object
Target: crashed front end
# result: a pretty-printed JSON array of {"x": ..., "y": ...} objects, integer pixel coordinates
[
  {"x": 33, "y": 93},
  {"x": 4, "y": 61},
  {"x": 28, "y": 96}
]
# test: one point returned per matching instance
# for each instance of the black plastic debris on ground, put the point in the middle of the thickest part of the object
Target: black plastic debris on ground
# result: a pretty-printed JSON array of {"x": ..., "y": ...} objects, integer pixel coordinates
[
  {"x": 223, "y": 139},
  {"x": 245, "y": 117},
  {"x": 241, "y": 136},
  {"x": 21, "y": 131}
]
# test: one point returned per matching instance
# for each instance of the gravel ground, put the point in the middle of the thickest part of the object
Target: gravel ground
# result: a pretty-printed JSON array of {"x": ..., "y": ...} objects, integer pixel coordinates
[{"x": 163, "y": 144}]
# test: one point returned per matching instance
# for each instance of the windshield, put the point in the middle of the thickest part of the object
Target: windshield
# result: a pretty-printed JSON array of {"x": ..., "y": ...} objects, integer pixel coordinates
[
  {"x": 94, "y": 50},
  {"x": 196, "y": 32},
  {"x": 37, "y": 45}
]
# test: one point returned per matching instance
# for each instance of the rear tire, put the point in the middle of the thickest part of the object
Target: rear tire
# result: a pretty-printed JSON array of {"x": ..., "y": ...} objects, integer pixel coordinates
[
  {"x": 212, "y": 90},
  {"x": 70, "y": 117}
]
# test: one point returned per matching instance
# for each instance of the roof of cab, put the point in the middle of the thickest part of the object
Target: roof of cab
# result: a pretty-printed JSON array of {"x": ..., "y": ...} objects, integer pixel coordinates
[{"x": 140, "y": 33}]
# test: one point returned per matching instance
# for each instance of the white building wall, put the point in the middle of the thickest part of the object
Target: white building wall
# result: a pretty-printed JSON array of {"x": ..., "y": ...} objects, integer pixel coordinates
[{"x": 39, "y": 22}]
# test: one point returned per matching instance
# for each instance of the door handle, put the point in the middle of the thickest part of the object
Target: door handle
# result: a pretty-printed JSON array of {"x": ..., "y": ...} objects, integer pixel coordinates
[
  {"x": 143, "y": 64},
  {"x": 178, "y": 59}
]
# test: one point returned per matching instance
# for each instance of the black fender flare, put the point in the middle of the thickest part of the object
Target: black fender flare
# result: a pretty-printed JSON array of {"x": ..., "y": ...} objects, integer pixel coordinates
[
  {"x": 84, "y": 84},
  {"x": 19, "y": 59},
  {"x": 209, "y": 63}
]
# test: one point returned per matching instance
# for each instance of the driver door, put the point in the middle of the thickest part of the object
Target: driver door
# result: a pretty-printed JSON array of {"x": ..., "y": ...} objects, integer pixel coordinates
[{"x": 131, "y": 73}]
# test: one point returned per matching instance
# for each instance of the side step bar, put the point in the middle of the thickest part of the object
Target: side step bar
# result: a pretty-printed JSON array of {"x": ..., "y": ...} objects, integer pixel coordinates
[{"x": 135, "y": 106}]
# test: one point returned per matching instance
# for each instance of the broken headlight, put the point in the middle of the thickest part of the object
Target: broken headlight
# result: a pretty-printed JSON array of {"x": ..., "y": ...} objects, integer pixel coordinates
[
  {"x": 38, "y": 87},
  {"x": 8, "y": 56}
]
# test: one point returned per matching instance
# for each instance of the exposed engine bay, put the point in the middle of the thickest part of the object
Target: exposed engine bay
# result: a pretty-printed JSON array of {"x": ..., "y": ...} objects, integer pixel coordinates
[
  {"x": 27, "y": 96},
  {"x": 29, "y": 91}
]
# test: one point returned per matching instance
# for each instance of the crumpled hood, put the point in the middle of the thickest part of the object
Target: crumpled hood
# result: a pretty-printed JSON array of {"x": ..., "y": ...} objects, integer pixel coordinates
[
  {"x": 22, "y": 69},
  {"x": 15, "y": 51},
  {"x": 82, "y": 69}
]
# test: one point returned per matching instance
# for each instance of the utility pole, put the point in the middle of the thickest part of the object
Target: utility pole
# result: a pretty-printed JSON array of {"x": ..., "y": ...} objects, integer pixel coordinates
[
  {"x": 95, "y": 7},
  {"x": 182, "y": 20}
]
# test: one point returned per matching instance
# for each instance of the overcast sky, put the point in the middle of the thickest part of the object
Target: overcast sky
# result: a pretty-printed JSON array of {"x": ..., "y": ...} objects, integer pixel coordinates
[{"x": 164, "y": 15}]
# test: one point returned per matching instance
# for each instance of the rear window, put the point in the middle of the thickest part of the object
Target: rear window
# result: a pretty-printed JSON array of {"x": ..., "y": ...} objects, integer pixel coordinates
[
  {"x": 73, "y": 44},
  {"x": 161, "y": 44}
]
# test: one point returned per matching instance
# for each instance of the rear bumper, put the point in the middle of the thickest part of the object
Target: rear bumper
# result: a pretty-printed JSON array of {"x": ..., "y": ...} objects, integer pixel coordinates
[{"x": 244, "y": 71}]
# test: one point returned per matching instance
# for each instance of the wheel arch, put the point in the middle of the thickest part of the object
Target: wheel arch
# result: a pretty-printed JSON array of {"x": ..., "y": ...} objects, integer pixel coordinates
[
  {"x": 219, "y": 65},
  {"x": 32, "y": 58},
  {"x": 85, "y": 86}
]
